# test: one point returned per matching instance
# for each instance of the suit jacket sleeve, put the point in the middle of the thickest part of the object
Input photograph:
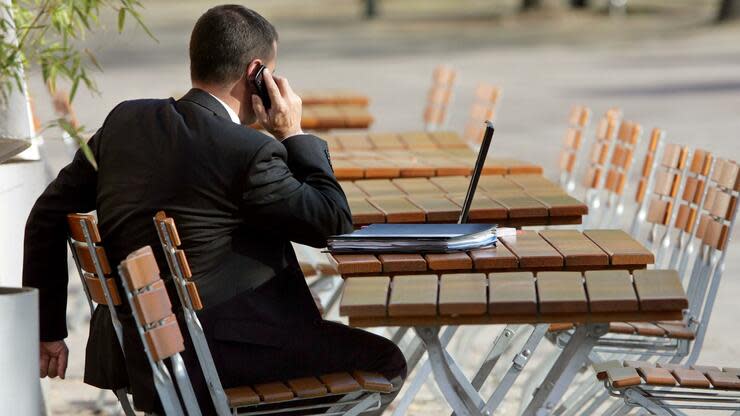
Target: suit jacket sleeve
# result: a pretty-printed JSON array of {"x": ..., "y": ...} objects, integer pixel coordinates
[
  {"x": 291, "y": 191},
  {"x": 45, "y": 242}
]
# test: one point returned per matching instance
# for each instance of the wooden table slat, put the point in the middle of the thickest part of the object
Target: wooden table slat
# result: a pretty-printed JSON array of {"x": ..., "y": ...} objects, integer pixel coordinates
[
  {"x": 577, "y": 249},
  {"x": 659, "y": 290},
  {"x": 398, "y": 209},
  {"x": 365, "y": 296},
  {"x": 355, "y": 263},
  {"x": 449, "y": 261},
  {"x": 561, "y": 292},
  {"x": 512, "y": 294},
  {"x": 621, "y": 247},
  {"x": 463, "y": 294},
  {"x": 520, "y": 205},
  {"x": 498, "y": 257},
  {"x": 413, "y": 295},
  {"x": 610, "y": 291},
  {"x": 399, "y": 263},
  {"x": 437, "y": 207},
  {"x": 364, "y": 212},
  {"x": 532, "y": 250}
]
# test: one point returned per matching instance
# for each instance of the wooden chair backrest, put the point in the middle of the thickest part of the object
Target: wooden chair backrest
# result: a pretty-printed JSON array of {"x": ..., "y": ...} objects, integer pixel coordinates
[
  {"x": 720, "y": 205},
  {"x": 167, "y": 230},
  {"x": 605, "y": 133},
  {"x": 151, "y": 304},
  {"x": 666, "y": 184},
  {"x": 622, "y": 155},
  {"x": 86, "y": 253},
  {"x": 439, "y": 96},
  {"x": 483, "y": 108},
  {"x": 656, "y": 136}
]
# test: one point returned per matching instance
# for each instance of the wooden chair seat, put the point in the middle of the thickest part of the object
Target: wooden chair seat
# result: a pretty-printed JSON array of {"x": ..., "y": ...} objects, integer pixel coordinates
[
  {"x": 631, "y": 374},
  {"x": 307, "y": 388}
]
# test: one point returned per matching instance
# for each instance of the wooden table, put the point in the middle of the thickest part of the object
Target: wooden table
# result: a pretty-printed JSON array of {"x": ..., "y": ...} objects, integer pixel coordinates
[
  {"x": 333, "y": 96},
  {"x": 412, "y": 154},
  {"x": 335, "y": 116},
  {"x": 514, "y": 200},
  {"x": 592, "y": 299},
  {"x": 533, "y": 251}
]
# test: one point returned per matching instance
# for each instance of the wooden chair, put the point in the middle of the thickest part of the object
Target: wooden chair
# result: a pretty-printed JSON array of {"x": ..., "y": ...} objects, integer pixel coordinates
[
  {"x": 619, "y": 170},
  {"x": 665, "y": 189},
  {"x": 94, "y": 269},
  {"x": 356, "y": 393},
  {"x": 483, "y": 108},
  {"x": 439, "y": 97},
  {"x": 663, "y": 388},
  {"x": 679, "y": 341},
  {"x": 644, "y": 182},
  {"x": 158, "y": 329},
  {"x": 572, "y": 141},
  {"x": 598, "y": 156}
]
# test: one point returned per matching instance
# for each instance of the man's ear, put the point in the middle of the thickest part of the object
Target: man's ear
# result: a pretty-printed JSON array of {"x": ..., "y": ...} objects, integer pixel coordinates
[{"x": 252, "y": 68}]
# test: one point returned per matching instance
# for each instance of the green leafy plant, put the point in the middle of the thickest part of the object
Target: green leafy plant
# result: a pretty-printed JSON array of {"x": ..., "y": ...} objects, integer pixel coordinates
[{"x": 47, "y": 33}]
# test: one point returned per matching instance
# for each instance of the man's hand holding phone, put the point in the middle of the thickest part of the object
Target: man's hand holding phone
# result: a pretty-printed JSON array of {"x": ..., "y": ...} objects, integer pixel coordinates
[{"x": 283, "y": 119}]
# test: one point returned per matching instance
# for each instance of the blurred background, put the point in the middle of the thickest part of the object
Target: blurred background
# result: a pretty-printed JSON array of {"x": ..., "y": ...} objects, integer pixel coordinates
[{"x": 665, "y": 63}]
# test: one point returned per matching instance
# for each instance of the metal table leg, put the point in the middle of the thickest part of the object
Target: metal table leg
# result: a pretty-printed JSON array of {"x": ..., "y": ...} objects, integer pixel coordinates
[
  {"x": 500, "y": 344},
  {"x": 520, "y": 360},
  {"x": 457, "y": 391},
  {"x": 565, "y": 368},
  {"x": 421, "y": 375}
]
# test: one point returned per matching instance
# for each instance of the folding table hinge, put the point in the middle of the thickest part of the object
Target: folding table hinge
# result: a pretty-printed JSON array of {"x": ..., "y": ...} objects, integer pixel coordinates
[{"x": 520, "y": 360}]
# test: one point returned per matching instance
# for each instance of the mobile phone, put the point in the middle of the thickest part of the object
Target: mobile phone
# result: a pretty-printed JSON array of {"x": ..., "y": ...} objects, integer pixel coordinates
[{"x": 258, "y": 82}]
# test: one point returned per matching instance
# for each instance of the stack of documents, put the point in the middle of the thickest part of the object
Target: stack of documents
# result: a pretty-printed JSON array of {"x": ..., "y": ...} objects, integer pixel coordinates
[{"x": 415, "y": 238}]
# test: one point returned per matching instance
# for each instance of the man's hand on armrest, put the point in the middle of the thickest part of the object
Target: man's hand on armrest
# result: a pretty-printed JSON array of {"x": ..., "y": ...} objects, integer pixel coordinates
[{"x": 53, "y": 359}]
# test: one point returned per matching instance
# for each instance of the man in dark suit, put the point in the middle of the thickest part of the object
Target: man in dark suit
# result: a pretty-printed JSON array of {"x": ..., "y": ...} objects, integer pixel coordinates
[{"x": 239, "y": 198}]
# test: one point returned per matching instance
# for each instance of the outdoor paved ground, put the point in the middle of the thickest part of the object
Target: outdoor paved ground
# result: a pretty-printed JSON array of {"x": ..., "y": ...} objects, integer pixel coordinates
[{"x": 665, "y": 65}]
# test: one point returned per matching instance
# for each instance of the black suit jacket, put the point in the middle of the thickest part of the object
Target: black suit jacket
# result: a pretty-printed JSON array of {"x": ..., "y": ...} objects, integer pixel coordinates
[{"x": 238, "y": 196}]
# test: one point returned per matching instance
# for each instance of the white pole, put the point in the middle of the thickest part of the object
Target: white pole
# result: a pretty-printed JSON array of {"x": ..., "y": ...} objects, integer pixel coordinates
[{"x": 20, "y": 392}]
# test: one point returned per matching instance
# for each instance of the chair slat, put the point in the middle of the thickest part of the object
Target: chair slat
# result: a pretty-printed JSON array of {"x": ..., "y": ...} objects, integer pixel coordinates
[
  {"x": 307, "y": 387},
  {"x": 577, "y": 249},
  {"x": 676, "y": 331},
  {"x": 165, "y": 340},
  {"x": 723, "y": 380},
  {"x": 273, "y": 392},
  {"x": 153, "y": 305},
  {"x": 621, "y": 328},
  {"x": 141, "y": 268},
  {"x": 449, "y": 261},
  {"x": 621, "y": 377},
  {"x": 657, "y": 376},
  {"x": 373, "y": 381},
  {"x": 95, "y": 289},
  {"x": 561, "y": 292},
  {"x": 622, "y": 249},
  {"x": 562, "y": 205},
  {"x": 413, "y": 295},
  {"x": 86, "y": 258},
  {"x": 242, "y": 396},
  {"x": 75, "y": 223},
  {"x": 340, "y": 383},
  {"x": 463, "y": 294},
  {"x": 659, "y": 290},
  {"x": 690, "y": 378},
  {"x": 532, "y": 250},
  {"x": 512, "y": 294},
  {"x": 610, "y": 291},
  {"x": 648, "y": 329},
  {"x": 194, "y": 295},
  {"x": 182, "y": 260},
  {"x": 398, "y": 209},
  {"x": 365, "y": 296}
]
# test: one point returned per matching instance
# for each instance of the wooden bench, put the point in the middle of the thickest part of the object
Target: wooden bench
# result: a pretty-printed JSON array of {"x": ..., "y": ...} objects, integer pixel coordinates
[
  {"x": 477, "y": 298},
  {"x": 528, "y": 251}
]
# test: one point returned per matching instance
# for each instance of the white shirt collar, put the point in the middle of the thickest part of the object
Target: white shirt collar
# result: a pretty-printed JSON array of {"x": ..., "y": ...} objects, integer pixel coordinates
[{"x": 232, "y": 114}]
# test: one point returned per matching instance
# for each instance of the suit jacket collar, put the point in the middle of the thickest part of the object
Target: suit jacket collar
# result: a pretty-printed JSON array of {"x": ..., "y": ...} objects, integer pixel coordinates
[{"x": 206, "y": 100}]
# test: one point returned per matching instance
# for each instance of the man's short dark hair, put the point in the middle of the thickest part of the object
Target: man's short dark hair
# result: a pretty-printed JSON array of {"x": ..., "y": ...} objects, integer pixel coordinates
[{"x": 225, "y": 39}]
